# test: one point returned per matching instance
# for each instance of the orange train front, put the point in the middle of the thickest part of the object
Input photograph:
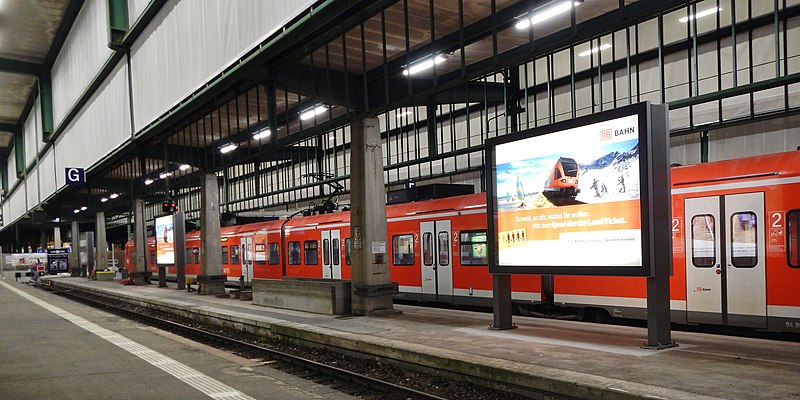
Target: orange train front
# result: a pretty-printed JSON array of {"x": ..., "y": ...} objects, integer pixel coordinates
[{"x": 735, "y": 240}]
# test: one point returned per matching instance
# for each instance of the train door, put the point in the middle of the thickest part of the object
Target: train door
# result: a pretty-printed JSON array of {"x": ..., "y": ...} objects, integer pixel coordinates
[
  {"x": 725, "y": 265},
  {"x": 437, "y": 265},
  {"x": 331, "y": 255},
  {"x": 247, "y": 258}
]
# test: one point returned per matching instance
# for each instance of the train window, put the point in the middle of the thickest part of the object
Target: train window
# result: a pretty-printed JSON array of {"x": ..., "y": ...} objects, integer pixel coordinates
[
  {"x": 224, "y": 254},
  {"x": 704, "y": 244},
  {"x": 326, "y": 250},
  {"x": 444, "y": 248},
  {"x": 234, "y": 255},
  {"x": 403, "y": 249},
  {"x": 427, "y": 249},
  {"x": 335, "y": 250},
  {"x": 558, "y": 173},
  {"x": 261, "y": 254},
  {"x": 744, "y": 240},
  {"x": 294, "y": 253},
  {"x": 195, "y": 255},
  {"x": 274, "y": 255},
  {"x": 793, "y": 238},
  {"x": 311, "y": 252},
  {"x": 347, "y": 250},
  {"x": 153, "y": 257},
  {"x": 187, "y": 256},
  {"x": 474, "y": 248}
]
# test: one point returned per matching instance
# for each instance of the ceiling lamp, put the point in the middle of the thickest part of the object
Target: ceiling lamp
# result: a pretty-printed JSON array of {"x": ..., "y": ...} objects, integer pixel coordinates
[
  {"x": 148, "y": 181},
  {"x": 164, "y": 175},
  {"x": 594, "y": 50},
  {"x": 424, "y": 64},
  {"x": 313, "y": 112},
  {"x": 547, "y": 13},
  {"x": 228, "y": 148},
  {"x": 113, "y": 196},
  {"x": 103, "y": 199},
  {"x": 701, "y": 14},
  {"x": 261, "y": 134}
]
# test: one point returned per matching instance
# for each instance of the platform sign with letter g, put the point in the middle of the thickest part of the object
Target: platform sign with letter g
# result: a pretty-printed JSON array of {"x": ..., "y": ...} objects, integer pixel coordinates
[{"x": 75, "y": 176}]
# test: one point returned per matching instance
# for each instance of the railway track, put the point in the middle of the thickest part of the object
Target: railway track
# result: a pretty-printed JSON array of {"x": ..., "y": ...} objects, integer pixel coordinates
[{"x": 343, "y": 380}]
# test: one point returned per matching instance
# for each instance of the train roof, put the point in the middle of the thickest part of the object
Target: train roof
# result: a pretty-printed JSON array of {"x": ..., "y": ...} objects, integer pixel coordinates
[{"x": 779, "y": 165}]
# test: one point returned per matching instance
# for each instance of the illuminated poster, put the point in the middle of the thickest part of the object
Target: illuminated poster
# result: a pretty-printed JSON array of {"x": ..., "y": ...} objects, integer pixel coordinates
[
  {"x": 570, "y": 197},
  {"x": 165, "y": 242}
]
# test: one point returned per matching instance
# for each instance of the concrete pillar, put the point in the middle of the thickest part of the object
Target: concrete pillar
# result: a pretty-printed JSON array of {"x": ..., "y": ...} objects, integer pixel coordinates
[
  {"x": 101, "y": 261},
  {"x": 57, "y": 243},
  {"x": 372, "y": 287},
  {"x": 141, "y": 274},
  {"x": 75, "y": 247},
  {"x": 42, "y": 241},
  {"x": 211, "y": 278}
]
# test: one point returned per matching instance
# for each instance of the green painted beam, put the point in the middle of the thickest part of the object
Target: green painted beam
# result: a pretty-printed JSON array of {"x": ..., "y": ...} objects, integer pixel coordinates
[
  {"x": 19, "y": 67},
  {"x": 46, "y": 106},
  {"x": 8, "y": 127},
  {"x": 118, "y": 22},
  {"x": 4, "y": 173},
  {"x": 19, "y": 152},
  {"x": 736, "y": 91}
]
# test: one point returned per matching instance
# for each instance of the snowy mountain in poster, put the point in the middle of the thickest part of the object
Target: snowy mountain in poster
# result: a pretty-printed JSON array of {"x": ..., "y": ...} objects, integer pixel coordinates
[{"x": 617, "y": 173}]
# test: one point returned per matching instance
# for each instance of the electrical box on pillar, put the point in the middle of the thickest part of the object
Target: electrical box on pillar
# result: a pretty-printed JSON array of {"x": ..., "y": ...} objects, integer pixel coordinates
[{"x": 169, "y": 207}]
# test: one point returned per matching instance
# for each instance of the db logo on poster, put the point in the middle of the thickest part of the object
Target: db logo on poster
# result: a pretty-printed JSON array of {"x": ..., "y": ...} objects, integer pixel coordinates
[{"x": 605, "y": 134}]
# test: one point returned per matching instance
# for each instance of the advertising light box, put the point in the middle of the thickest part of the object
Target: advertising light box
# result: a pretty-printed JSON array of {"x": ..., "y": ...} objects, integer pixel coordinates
[
  {"x": 575, "y": 198},
  {"x": 165, "y": 240}
]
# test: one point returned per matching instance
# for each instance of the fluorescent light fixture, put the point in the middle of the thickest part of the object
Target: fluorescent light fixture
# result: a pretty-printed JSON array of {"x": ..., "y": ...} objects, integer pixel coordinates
[
  {"x": 164, "y": 175},
  {"x": 113, "y": 196},
  {"x": 228, "y": 148},
  {"x": 594, "y": 50},
  {"x": 184, "y": 167},
  {"x": 332, "y": 138},
  {"x": 313, "y": 112},
  {"x": 76, "y": 211},
  {"x": 83, "y": 208},
  {"x": 404, "y": 113},
  {"x": 262, "y": 134},
  {"x": 423, "y": 64},
  {"x": 547, "y": 13},
  {"x": 103, "y": 199},
  {"x": 148, "y": 181},
  {"x": 701, "y": 14}
]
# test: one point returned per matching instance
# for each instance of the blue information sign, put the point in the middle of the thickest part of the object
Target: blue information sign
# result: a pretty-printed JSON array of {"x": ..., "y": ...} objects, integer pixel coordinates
[{"x": 75, "y": 176}]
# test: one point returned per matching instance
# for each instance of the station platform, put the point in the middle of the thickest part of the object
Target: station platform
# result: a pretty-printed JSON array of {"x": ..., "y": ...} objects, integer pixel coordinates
[{"x": 574, "y": 359}]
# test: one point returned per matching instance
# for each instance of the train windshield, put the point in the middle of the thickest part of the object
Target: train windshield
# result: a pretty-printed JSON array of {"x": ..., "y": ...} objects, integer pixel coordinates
[{"x": 570, "y": 167}]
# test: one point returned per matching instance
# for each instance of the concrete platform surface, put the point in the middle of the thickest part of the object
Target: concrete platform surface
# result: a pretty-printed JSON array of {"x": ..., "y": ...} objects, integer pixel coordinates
[
  {"x": 577, "y": 359},
  {"x": 54, "y": 348}
]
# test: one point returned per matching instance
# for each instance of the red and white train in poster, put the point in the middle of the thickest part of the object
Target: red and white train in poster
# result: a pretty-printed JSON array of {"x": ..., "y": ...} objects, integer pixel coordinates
[{"x": 735, "y": 240}]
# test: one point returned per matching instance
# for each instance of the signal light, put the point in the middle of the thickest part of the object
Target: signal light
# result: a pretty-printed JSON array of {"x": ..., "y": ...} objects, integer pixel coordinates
[{"x": 169, "y": 207}]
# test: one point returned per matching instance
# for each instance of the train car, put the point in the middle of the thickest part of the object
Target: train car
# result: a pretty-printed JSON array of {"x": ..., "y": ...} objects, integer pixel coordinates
[
  {"x": 735, "y": 229},
  {"x": 562, "y": 183}
]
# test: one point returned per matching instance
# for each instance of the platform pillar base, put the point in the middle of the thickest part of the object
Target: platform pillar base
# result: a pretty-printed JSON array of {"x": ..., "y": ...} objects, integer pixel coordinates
[
  {"x": 211, "y": 284},
  {"x": 141, "y": 278}
]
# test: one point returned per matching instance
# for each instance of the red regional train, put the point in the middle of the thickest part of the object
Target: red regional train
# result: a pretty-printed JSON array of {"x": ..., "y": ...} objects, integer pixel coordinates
[
  {"x": 563, "y": 180},
  {"x": 736, "y": 250}
]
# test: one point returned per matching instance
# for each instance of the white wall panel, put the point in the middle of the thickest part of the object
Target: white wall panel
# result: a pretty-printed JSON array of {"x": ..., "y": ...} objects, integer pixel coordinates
[
  {"x": 81, "y": 58},
  {"x": 32, "y": 188},
  {"x": 47, "y": 174},
  {"x": 16, "y": 207},
  {"x": 189, "y": 42},
  {"x": 11, "y": 164},
  {"x": 101, "y": 127},
  {"x": 135, "y": 9},
  {"x": 33, "y": 133}
]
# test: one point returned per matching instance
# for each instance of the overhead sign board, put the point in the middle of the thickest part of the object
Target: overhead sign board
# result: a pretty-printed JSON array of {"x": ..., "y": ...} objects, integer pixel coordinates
[
  {"x": 576, "y": 198},
  {"x": 75, "y": 176},
  {"x": 165, "y": 240}
]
